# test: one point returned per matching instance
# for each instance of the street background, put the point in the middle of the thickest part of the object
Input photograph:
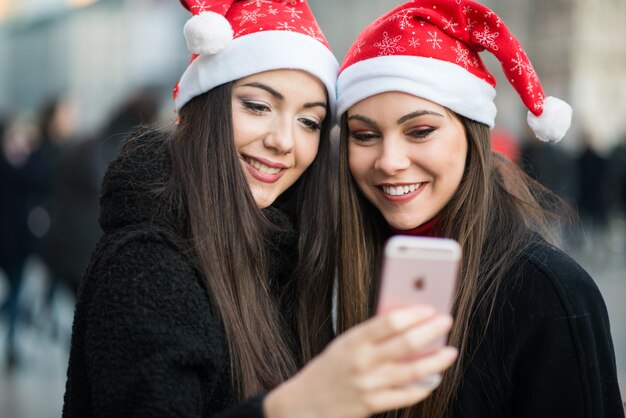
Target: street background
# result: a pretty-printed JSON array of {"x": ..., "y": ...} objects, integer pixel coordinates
[{"x": 77, "y": 75}]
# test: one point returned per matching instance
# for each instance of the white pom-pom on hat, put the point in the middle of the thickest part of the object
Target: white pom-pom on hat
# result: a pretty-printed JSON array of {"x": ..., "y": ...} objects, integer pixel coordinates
[
  {"x": 553, "y": 122},
  {"x": 207, "y": 33}
]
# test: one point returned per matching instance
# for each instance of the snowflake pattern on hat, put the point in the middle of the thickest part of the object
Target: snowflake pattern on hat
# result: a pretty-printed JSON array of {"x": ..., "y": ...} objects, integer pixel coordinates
[
  {"x": 202, "y": 6},
  {"x": 454, "y": 31},
  {"x": 282, "y": 15}
]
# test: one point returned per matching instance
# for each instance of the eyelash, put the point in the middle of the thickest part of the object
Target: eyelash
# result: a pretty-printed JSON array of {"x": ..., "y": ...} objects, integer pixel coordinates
[
  {"x": 310, "y": 125},
  {"x": 421, "y": 133},
  {"x": 254, "y": 107},
  {"x": 363, "y": 138},
  {"x": 417, "y": 134},
  {"x": 260, "y": 108}
]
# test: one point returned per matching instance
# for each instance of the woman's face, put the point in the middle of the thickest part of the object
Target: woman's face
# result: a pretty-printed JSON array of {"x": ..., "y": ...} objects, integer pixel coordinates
[
  {"x": 407, "y": 155},
  {"x": 277, "y": 117}
]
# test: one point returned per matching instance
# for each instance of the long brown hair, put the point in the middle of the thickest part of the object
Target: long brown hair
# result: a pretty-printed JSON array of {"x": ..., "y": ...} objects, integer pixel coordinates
[
  {"x": 496, "y": 213},
  {"x": 229, "y": 236}
]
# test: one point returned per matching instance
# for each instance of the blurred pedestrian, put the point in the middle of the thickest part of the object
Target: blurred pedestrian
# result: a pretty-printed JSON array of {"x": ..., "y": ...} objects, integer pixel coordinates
[
  {"x": 74, "y": 206},
  {"x": 615, "y": 191},
  {"x": 20, "y": 192},
  {"x": 56, "y": 124},
  {"x": 592, "y": 200},
  {"x": 554, "y": 168},
  {"x": 551, "y": 166}
]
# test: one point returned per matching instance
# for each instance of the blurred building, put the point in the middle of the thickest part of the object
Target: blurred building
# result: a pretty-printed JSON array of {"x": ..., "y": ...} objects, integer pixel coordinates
[
  {"x": 101, "y": 49},
  {"x": 98, "y": 51},
  {"x": 598, "y": 80}
]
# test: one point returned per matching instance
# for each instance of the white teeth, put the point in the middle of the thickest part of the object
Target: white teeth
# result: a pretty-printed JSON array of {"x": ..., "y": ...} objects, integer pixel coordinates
[
  {"x": 400, "y": 190},
  {"x": 262, "y": 167}
]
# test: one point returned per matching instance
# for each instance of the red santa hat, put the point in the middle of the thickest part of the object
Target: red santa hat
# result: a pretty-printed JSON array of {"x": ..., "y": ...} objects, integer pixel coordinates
[
  {"x": 429, "y": 48},
  {"x": 232, "y": 39}
]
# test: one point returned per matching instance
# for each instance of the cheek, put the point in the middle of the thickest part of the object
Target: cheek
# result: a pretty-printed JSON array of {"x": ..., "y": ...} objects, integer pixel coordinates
[
  {"x": 240, "y": 131},
  {"x": 357, "y": 162},
  {"x": 454, "y": 165},
  {"x": 362, "y": 164},
  {"x": 247, "y": 129},
  {"x": 460, "y": 158},
  {"x": 309, "y": 151}
]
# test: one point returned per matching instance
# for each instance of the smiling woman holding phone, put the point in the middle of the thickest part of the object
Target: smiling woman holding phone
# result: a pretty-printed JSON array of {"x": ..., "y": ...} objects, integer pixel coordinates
[{"x": 416, "y": 106}]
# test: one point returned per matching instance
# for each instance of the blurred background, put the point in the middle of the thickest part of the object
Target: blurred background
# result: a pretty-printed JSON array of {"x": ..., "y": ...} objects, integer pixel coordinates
[{"x": 77, "y": 75}]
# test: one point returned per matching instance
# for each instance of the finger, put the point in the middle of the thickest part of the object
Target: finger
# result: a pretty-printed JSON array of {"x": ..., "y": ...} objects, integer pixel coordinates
[
  {"x": 410, "y": 342},
  {"x": 419, "y": 371},
  {"x": 384, "y": 326},
  {"x": 396, "y": 398}
]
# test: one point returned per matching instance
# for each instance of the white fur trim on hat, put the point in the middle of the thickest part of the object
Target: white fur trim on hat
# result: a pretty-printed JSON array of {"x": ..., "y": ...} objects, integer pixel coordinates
[
  {"x": 441, "y": 82},
  {"x": 255, "y": 53},
  {"x": 553, "y": 122},
  {"x": 207, "y": 33}
]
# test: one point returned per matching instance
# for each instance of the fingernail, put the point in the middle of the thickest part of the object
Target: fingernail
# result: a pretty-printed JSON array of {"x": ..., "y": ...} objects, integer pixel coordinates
[
  {"x": 430, "y": 382},
  {"x": 450, "y": 351},
  {"x": 445, "y": 319}
]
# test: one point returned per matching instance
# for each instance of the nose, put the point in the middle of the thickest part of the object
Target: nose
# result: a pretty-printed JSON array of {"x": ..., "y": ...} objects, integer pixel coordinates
[
  {"x": 393, "y": 156},
  {"x": 280, "y": 138}
]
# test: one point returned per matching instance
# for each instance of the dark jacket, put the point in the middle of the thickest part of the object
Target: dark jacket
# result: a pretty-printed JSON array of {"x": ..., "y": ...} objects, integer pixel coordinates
[
  {"x": 24, "y": 191},
  {"x": 74, "y": 209},
  {"x": 548, "y": 351},
  {"x": 147, "y": 340}
]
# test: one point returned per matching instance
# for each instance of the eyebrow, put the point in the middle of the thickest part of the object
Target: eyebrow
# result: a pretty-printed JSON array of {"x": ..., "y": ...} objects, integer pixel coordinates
[
  {"x": 266, "y": 88},
  {"x": 400, "y": 121},
  {"x": 281, "y": 97},
  {"x": 315, "y": 104},
  {"x": 363, "y": 119},
  {"x": 416, "y": 114}
]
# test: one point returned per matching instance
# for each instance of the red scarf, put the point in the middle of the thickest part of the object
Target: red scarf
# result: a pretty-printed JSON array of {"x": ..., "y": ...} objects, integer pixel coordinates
[{"x": 427, "y": 229}]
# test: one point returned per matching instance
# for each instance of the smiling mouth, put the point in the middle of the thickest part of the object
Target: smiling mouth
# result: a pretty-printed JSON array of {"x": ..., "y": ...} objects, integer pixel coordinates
[
  {"x": 400, "y": 190},
  {"x": 259, "y": 166}
]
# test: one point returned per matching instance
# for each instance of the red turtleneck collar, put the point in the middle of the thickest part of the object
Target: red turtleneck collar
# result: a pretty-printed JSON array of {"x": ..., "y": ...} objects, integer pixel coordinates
[{"x": 427, "y": 229}]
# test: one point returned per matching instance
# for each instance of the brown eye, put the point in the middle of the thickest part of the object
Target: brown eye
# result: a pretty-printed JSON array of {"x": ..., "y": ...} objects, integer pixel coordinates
[
  {"x": 255, "y": 107},
  {"x": 310, "y": 124},
  {"x": 421, "y": 133},
  {"x": 363, "y": 136}
]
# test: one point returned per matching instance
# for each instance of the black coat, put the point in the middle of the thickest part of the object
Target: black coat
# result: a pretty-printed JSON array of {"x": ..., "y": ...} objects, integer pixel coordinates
[
  {"x": 147, "y": 340},
  {"x": 548, "y": 351}
]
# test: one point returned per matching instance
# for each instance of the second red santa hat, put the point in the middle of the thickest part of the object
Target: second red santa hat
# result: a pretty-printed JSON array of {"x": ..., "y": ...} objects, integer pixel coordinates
[{"x": 429, "y": 48}]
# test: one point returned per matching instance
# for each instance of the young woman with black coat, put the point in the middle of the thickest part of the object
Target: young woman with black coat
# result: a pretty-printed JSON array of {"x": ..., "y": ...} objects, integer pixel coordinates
[{"x": 209, "y": 293}]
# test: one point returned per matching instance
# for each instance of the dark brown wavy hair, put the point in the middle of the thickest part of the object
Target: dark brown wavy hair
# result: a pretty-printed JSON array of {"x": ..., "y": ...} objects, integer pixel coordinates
[
  {"x": 229, "y": 236},
  {"x": 496, "y": 213}
]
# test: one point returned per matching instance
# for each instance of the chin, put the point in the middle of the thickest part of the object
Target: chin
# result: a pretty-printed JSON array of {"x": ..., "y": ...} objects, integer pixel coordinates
[
  {"x": 402, "y": 223},
  {"x": 264, "y": 200},
  {"x": 263, "y": 203}
]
